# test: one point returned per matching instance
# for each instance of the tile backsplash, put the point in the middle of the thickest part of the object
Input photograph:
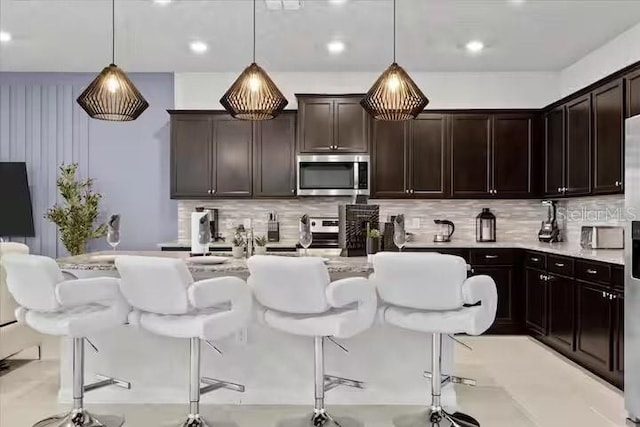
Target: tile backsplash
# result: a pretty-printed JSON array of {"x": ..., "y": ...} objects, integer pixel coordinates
[{"x": 517, "y": 220}]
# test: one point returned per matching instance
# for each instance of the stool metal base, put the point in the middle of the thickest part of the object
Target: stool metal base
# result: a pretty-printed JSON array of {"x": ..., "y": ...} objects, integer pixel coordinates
[
  {"x": 194, "y": 421},
  {"x": 82, "y": 418},
  {"x": 436, "y": 418},
  {"x": 320, "y": 419}
]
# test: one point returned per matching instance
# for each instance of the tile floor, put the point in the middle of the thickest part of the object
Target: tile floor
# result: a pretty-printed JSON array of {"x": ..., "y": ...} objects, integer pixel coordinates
[{"x": 521, "y": 383}]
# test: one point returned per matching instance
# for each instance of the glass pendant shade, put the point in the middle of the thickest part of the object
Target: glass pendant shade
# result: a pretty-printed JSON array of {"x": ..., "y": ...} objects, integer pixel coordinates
[
  {"x": 394, "y": 96},
  {"x": 112, "y": 96},
  {"x": 254, "y": 96}
]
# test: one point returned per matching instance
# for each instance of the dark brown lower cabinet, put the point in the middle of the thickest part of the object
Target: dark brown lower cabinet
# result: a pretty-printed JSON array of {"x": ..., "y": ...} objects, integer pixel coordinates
[
  {"x": 561, "y": 313},
  {"x": 535, "y": 302},
  {"x": 506, "y": 319},
  {"x": 593, "y": 333}
]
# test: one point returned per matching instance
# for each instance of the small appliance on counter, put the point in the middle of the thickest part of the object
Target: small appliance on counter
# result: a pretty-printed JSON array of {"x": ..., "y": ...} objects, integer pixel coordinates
[
  {"x": 273, "y": 227},
  {"x": 486, "y": 226},
  {"x": 445, "y": 230},
  {"x": 549, "y": 231},
  {"x": 324, "y": 232},
  {"x": 602, "y": 237},
  {"x": 214, "y": 223},
  {"x": 353, "y": 221},
  {"x": 200, "y": 232}
]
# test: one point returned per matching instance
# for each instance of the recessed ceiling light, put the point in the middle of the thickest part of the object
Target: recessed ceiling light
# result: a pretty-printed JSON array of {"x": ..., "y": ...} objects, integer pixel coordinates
[
  {"x": 162, "y": 2},
  {"x": 5, "y": 37},
  {"x": 198, "y": 47},
  {"x": 335, "y": 47},
  {"x": 475, "y": 46},
  {"x": 517, "y": 2},
  {"x": 337, "y": 2}
]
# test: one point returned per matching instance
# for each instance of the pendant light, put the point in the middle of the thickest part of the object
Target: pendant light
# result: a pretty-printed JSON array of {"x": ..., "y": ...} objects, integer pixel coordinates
[
  {"x": 254, "y": 96},
  {"x": 394, "y": 96},
  {"x": 111, "y": 95}
]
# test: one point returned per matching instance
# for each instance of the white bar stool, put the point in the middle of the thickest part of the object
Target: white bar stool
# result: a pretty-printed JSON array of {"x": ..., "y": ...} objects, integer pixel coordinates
[
  {"x": 76, "y": 308},
  {"x": 431, "y": 293},
  {"x": 167, "y": 302},
  {"x": 298, "y": 298}
]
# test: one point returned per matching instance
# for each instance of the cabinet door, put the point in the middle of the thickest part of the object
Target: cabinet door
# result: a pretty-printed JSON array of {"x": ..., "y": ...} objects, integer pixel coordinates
[
  {"x": 274, "y": 157},
  {"x": 191, "y": 144},
  {"x": 561, "y": 313},
  {"x": 389, "y": 160},
  {"x": 429, "y": 157},
  {"x": 505, "y": 317},
  {"x": 554, "y": 152},
  {"x": 593, "y": 337},
  {"x": 512, "y": 154},
  {"x": 578, "y": 147},
  {"x": 232, "y": 157},
  {"x": 535, "y": 302},
  {"x": 618, "y": 339},
  {"x": 608, "y": 138},
  {"x": 351, "y": 123},
  {"x": 470, "y": 139},
  {"x": 632, "y": 83},
  {"x": 315, "y": 124}
]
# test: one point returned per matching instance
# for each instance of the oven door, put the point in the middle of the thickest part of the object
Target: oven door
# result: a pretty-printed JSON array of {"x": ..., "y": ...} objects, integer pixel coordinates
[{"x": 333, "y": 175}]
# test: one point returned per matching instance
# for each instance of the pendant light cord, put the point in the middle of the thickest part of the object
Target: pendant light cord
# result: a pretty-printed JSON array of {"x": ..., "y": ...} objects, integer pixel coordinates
[
  {"x": 254, "y": 30},
  {"x": 394, "y": 30},
  {"x": 113, "y": 31}
]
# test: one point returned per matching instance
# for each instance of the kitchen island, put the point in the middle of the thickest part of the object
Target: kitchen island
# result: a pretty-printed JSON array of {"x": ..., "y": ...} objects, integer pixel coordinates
[{"x": 275, "y": 367}]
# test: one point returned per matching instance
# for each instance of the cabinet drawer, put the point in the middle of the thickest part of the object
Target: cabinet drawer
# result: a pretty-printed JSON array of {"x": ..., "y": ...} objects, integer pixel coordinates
[
  {"x": 593, "y": 272},
  {"x": 560, "y": 265},
  {"x": 535, "y": 260},
  {"x": 492, "y": 257}
]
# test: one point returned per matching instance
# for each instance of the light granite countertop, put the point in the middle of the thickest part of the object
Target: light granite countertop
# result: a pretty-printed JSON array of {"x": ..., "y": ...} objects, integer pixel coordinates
[
  {"x": 103, "y": 261},
  {"x": 613, "y": 256}
]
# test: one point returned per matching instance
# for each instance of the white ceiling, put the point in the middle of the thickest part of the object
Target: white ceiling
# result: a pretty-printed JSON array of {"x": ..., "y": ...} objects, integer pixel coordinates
[{"x": 539, "y": 35}]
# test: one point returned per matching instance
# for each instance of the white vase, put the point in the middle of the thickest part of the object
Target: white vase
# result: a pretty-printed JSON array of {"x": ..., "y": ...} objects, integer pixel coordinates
[
  {"x": 237, "y": 251},
  {"x": 261, "y": 250}
]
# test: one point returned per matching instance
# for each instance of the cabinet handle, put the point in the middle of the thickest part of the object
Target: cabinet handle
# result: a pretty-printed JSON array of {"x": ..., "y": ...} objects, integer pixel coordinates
[
  {"x": 542, "y": 277},
  {"x": 534, "y": 259},
  {"x": 411, "y": 191},
  {"x": 213, "y": 191},
  {"x": 559, "y": 189},
  {"x": 208, "y": 191},
  {"x": 592, "y": 271},
  {"x": 491, "y": 256},
  {"x": 559, "y": 264},
  {"x": 293, "y": 190}
]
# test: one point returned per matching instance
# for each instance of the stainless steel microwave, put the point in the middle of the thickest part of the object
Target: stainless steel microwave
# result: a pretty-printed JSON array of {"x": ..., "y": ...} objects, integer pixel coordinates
[{"x": 333, "y": 175}]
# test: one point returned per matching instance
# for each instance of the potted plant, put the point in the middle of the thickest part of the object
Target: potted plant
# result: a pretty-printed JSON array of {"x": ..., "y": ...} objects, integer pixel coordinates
[
  {"x": 238, "y": 242},
  {"x": 373, "y": 241},
  {"x": 79, "y": 211},
  {"x": 261, "y": 245}
]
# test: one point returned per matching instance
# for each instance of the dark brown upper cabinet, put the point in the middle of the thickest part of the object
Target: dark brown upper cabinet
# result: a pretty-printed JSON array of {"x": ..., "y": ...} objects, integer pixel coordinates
[
  {"x": 632, "y": 84},
  {"x": 470, "y": 155},
  {"x": 411, "y": 159},
  {"x": 608, "y": 138},
  {"x": 211, "y": 156},
  {"x": 578, "y": 147},
  {"x": 428, "y": 160},
  {"x": 274, "y": 151},
  {"x": 513, "y": 152},
  {"x": 191, "y": 137},
  {"x": 332, "y": 124},
  {"x": 389, "y": 160},
  {"x": 231, "y": 174},
  {"x": 554, "y": 122}
]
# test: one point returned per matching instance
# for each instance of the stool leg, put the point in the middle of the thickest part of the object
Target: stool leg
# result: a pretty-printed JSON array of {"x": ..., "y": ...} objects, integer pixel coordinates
[
  {"x": 436, "y": 416},
  {"x": 79, "y": 417},
  {"x": 194, "y": 419}
]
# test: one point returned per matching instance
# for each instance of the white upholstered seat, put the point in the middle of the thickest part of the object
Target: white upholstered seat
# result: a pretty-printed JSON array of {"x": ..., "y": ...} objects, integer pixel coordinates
[
  {"x": 297, "y": 297},
  {"x": 166, "y": 301},
  {"x": 77, "y": 308},
  {"x": 430, "y": 292}
]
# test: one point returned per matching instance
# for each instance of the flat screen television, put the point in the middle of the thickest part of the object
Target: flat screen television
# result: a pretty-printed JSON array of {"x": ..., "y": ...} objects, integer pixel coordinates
[{"x": 16, "y": 216}]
